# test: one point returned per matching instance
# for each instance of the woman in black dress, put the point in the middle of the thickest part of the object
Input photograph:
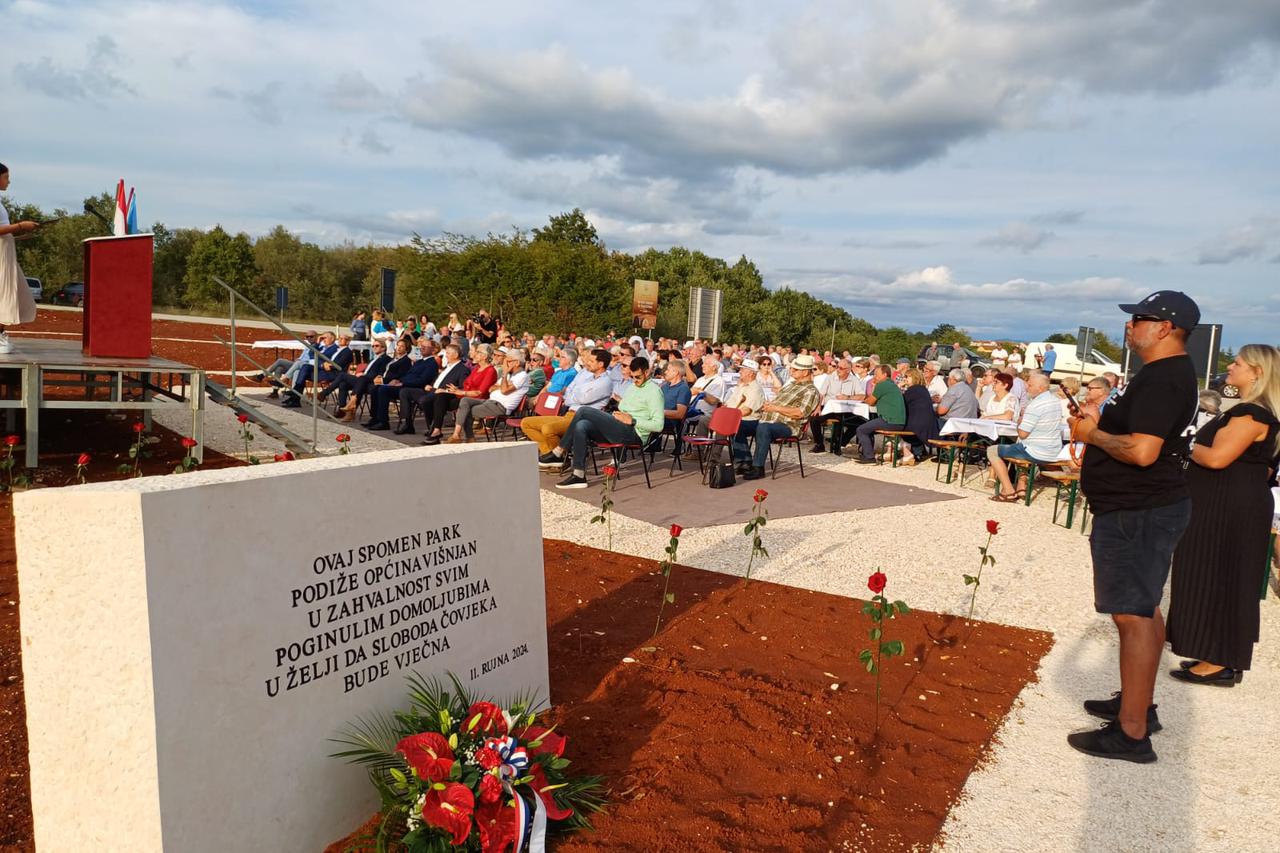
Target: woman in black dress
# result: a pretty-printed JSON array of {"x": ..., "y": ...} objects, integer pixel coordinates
[{"x": 1218, "y": 566}]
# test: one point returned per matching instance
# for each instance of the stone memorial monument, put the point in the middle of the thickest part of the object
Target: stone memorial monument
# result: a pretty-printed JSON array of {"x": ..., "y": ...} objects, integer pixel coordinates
[{"x": 191, "y": 642}]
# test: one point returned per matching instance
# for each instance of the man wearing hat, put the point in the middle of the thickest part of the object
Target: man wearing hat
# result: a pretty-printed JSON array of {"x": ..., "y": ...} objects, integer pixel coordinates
[
  {"x": 1133, "y": 474},
  {"x": 779, "y": 419}
]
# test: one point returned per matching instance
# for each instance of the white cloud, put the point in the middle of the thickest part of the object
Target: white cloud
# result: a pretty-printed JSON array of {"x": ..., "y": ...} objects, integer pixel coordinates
[
  {"x": 1018, "y": 235},
  {"x": 1251, "y": 241}
]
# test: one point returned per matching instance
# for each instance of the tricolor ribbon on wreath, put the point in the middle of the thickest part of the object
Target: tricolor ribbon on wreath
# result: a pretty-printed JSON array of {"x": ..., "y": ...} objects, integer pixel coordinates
[{"x": 514, "y": 761}]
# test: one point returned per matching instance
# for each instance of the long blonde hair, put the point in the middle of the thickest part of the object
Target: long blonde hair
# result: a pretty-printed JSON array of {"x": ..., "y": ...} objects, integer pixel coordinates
[{"x": 1266, "y": 390}]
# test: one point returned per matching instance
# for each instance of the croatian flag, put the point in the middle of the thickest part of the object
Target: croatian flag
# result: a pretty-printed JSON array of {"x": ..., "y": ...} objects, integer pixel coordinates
[
  {"x": 131, "y": 219},
  {"x": 120, "y": 226}
]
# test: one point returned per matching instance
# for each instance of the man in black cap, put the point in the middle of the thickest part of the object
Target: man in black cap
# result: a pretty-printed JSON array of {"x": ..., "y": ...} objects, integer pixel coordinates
[{"x": 1133, "y": 474}]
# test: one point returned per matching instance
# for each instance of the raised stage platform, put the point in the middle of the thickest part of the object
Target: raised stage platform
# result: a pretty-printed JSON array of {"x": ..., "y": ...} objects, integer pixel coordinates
[{"x": 40, "y": 373}]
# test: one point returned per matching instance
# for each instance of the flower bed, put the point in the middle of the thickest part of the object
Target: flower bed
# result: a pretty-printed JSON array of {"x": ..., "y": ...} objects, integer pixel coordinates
[{"x": 748, "y": 722}]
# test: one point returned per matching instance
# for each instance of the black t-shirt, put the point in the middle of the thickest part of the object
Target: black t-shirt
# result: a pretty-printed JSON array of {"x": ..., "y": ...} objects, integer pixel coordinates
[
  {"x": 1161, "y": 401},
  {"x": 488, "y": 329}
]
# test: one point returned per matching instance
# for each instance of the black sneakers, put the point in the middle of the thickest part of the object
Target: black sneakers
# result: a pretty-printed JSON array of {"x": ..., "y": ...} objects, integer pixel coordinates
[
  {"x": 1109, "y": 709},
  {"x": 1110, "y": 741},
  {"x": 572, "y": 482},
  {"x": 550, "y": 460}
]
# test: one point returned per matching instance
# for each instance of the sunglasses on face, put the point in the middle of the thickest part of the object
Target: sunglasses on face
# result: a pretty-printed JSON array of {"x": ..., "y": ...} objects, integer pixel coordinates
[{"x": 1138, "y": 318}]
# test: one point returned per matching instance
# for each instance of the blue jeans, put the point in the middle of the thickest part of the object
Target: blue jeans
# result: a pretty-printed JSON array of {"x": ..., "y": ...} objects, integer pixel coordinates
[{"x": 765, "y": 433}]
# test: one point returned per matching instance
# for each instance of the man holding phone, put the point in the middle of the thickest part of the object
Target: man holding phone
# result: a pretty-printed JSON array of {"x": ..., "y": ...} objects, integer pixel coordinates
[{"x": 1133, "y": 474}]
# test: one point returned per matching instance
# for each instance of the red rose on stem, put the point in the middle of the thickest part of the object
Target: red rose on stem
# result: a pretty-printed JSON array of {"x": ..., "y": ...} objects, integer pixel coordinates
[
  {"x": 189, "y": 443},
  {"x": 675, "y": 531},
  {"x": 83, "y": 460},
  {"x": 761, "y": 494},
  {"x": 428, "y": 754},
  {"x": 993, "y": 527},
  {"x": 11, "y": 441},
  {"x": 242, "y": 418},
  {"x": 876, "y": 582},
  {"x": 485, "y": 718},
  {"x": 284, "y": 457},
  {"x": 450, "y": 810},
  {"x": 343, "y": 438},
  {"x": 139, "y": 426},
  {"x": 610, "y": 471}
]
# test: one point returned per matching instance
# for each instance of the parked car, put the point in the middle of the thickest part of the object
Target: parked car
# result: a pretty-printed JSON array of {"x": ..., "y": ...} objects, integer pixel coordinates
[
  {"x": 944, "y": 357},
  {"x": 72, "y": 294},
  {"x": 37, "y": 288},
  {"x": 1068, "y": 362},
  {"x": 1218, "y": 382}
]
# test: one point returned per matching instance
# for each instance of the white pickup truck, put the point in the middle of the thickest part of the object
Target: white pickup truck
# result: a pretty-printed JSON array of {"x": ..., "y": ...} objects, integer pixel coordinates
[{"x": 1068, "y": 362}]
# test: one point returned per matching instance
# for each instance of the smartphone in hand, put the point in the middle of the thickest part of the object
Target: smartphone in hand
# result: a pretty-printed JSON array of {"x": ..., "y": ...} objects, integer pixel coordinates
[{"x": 1073, "y": 406}]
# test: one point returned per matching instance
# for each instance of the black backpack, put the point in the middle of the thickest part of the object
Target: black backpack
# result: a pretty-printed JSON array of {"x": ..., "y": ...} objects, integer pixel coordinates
[{"x": 721, "y": 476}]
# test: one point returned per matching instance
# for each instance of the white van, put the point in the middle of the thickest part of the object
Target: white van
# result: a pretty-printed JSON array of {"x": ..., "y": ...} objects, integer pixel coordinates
[{"x": 1068, "y": 362}]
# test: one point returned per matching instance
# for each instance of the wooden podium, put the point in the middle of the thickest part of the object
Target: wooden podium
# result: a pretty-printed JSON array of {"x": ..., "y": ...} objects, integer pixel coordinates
[{"x": 117, "y": 296}]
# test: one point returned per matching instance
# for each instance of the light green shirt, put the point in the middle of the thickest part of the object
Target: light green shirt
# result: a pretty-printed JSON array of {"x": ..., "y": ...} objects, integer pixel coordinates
[{"x": 644, "y": 404}]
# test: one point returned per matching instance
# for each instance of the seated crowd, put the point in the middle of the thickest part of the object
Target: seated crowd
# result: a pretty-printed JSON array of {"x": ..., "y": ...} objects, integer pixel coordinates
[{"x": 571, "y": 391}]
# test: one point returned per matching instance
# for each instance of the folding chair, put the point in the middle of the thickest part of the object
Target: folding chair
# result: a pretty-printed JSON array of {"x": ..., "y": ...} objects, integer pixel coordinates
[
  {"x": 723, "y": 427},
  {"x": 795, "y": 440},
  {"x": 618, "y": 451}
]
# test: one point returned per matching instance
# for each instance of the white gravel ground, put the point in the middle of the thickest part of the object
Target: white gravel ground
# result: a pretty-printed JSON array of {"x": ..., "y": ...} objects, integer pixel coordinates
[{"x": 1215, "y": 785}]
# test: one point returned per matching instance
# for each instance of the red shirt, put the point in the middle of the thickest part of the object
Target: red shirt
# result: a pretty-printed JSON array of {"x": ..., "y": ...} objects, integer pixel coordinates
[{"x": 481, "y": 380}]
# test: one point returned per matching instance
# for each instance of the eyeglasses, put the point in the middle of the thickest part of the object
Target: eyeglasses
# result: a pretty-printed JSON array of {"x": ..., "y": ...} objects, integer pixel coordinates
[{"x": 1138, "y": 318}]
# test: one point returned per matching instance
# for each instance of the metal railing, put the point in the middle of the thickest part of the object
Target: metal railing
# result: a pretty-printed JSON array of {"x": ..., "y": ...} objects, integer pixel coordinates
[{"x": 316, "y": 354}]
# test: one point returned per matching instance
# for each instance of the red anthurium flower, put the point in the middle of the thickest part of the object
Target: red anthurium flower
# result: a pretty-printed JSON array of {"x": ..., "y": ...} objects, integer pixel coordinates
[
  {"x": 450, "y": 810},
  {"x": 490, "y": 788},
  {"x": 761, "y": 494},
  {"x": 488, "y": 719},
  {"x": 497, "y": 824},
  {"x": 876, "y": 582},
  {"x": 242, "y": 418},
  {"x": 993, "y": 527},
  {"x": 428, "y": 754},
  {"x": 540, "y": 785},
  {"x": 139, "y": 426},
  {"x": 83, "y": 460},
  {"x": 11, "y": 441},
  {"x": 610, "y": 471},
  {"x": 189, "y": 443},
  {"x": 550, "y": 741},
  {"x": 676, "y": 530}
]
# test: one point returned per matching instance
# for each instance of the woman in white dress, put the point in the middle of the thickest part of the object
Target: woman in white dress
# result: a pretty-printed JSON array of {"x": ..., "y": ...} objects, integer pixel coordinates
[{"x": 16, "y": 304}]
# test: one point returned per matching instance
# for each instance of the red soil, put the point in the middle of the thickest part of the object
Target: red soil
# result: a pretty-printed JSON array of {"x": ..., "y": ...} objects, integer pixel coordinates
[{"x": 724, "y": 733}]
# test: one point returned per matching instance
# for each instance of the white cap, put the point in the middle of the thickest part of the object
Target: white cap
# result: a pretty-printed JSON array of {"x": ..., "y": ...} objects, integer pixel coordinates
[
  {"x": 687, "y": 344},
  {"x": 588, "y": 344},
  {"x": 750, "y": 364}
]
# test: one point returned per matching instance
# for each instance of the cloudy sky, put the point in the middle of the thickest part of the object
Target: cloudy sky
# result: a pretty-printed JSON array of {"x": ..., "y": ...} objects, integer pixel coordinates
[{"x": 1011, "y": 167}]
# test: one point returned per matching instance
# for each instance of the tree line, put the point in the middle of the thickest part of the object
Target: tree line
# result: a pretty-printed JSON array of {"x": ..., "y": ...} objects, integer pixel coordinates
[{"x": 553, "y": 279}]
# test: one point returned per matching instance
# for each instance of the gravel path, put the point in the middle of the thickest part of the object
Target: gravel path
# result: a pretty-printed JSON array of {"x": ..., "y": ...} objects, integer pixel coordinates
[{"x": 1215, "y": 785}]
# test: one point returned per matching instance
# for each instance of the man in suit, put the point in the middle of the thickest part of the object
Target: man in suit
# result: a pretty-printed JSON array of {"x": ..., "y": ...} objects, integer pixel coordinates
[
  {"x": 337, "y": 357},
  {"x": 348, "y": 382},
  {"x": 451, "y": 371},
  {"x": 419, "y": 375}
]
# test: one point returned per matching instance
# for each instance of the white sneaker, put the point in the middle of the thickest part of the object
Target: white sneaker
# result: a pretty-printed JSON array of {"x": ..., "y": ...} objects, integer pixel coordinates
[{"x": 5, "y": 346}]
